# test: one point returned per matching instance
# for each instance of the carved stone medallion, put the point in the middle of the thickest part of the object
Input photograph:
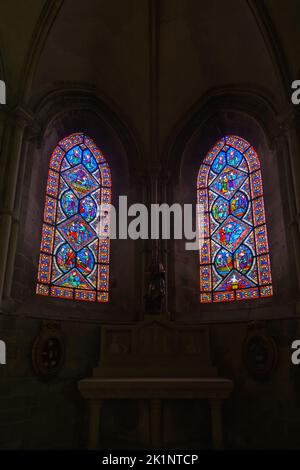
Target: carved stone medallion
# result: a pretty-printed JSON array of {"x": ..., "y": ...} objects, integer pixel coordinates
[
  {"x": 48, "y": 350},
  {"x": 259, "y": 352}
]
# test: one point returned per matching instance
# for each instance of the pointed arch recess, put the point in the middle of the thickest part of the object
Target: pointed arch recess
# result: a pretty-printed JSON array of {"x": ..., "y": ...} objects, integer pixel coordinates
[
  {"x": 234, "y": 258},
  {"x": 74, "y": 254}
]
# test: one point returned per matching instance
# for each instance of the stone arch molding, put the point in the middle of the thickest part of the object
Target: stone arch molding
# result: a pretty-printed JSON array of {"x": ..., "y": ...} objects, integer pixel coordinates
[
  {"x": 256, "y": 103},
  {"x": 249, "y": 114},
  {"x": 60, "y": 113},
  {"x": 61, "y": 102}
]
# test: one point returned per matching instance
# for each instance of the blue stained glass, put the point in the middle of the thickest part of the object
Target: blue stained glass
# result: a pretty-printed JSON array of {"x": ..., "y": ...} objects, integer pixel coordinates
[
  {"x": 234, "y": 157},
  {"x": 88, "y": 208},
  {"x": 243, "y": 166},
  {"x": 228, "y": 182},
  {"x": 231, "y": 233},
  {"x": 223, "y": 262},
  {"x": 243, "y": 259},
  {"x": 219, "y": 162},
  {"x": 234, "y": 281},
  {"x": 74, "y": 257},
  {"x": 234, "y": 260},
  {"x": 220, "y": 209},
  {"x": 239, "y": 204},
  {"x": 69, "y": 203},
  {"x": 77, "y": 231},
  {"x": 74, "y": 279},
  {"x": 74, "y": 155},
  {"x": 80, "y": 180},
  {"x": 89, "y": 161},
  {"x": 65, "y": 257},
  {"x": 85, "y": 261}
]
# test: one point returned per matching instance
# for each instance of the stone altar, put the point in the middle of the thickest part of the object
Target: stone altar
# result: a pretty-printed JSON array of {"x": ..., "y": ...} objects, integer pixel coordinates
[{"x": 155, "y": 359}]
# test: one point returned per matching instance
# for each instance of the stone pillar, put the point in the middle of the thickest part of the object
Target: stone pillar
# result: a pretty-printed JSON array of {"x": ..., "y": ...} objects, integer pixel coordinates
[
  {"x": 15, "y": 224},
  {"x": 8, "y": 219}
]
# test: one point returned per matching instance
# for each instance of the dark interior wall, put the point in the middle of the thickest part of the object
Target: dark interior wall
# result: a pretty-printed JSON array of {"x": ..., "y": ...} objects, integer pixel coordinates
[
  {"x": 260, "y": 414},
  {"x": 52, "y": 415},
  {"x": 35, "y": 414}
]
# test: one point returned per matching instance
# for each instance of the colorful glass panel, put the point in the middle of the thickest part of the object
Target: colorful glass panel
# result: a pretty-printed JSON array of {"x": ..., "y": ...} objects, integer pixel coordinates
[
  {"x": 234, "y": 256},
  {"x": 75, "y": 237}
]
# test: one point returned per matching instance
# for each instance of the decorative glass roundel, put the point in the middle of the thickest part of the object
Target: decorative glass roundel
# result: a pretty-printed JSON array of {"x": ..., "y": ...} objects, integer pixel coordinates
[
  {"x": 89, "y": 161},
  {"x": 234, "y": 257},
  {"x": 69, "y": 203},
  {"x": 74, "y": 257},
  {"x": 85, "y": 261},
  {"x": 220, "y": 209},
  {"x": 74, "y": 155},
  {"x": 243, "y": 258},
  {"x": 88, "y": 208},
  {"x": 219, "y": 162},
  {"x": 239, "y": 204},
  {"x": 65, "y": 257},
  {"x": 223, "y": 262}
]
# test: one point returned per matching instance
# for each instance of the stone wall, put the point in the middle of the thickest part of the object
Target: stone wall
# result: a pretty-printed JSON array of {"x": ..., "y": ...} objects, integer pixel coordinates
[
  {"x": 52, "y": 415},
  {"x": 44, "y": 415}
]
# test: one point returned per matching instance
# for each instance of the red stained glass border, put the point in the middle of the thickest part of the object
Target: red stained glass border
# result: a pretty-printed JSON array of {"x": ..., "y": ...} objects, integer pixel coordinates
[
  {"x": 260, "y": 246},
  {"x": 44, "y": 286}
]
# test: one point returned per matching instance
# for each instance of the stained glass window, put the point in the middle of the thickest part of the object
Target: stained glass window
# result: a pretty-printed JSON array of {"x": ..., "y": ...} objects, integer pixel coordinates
[
  {"x": 234, "y": 257},
  {"x": 74, "y": 256}
]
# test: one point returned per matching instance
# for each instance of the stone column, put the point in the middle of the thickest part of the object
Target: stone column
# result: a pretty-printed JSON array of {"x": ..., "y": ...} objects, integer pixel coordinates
[
  {"x": 12, "y": 249},
  {"x": 8, "y": 220}
]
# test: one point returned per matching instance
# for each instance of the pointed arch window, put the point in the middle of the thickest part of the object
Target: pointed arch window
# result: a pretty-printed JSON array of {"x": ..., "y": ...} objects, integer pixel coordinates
[
  {"x": 234, "y": 258},
  {"x": 74, "y": 255}
]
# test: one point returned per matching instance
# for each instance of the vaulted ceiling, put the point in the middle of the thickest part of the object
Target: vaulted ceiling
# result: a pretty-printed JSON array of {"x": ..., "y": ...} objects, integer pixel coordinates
[{"x": 196, "y": 46}]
